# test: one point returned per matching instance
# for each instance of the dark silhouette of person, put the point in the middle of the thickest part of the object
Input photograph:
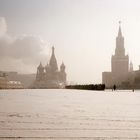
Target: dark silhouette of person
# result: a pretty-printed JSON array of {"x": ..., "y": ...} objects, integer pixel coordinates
[
  {"x": 133, "y": 89},
  {"x": 114, "y": 87}
]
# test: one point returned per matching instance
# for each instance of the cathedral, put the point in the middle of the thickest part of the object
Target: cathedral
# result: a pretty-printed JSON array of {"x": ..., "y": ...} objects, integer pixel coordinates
[
  {"x": 122, "y": 73},
  {"x": 50, "y": 76}
]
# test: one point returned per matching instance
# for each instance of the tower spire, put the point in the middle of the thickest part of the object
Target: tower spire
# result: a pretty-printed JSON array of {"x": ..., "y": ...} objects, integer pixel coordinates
[
  {"x": 131, "y": 66},
  {"x": 53, "y": 50},
  {"x": 120, "y": 50},
  {"x": 119, "y": 32}
]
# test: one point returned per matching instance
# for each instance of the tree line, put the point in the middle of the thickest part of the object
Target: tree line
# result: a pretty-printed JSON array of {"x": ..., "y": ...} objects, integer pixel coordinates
[{"x": 87, "y": 87}]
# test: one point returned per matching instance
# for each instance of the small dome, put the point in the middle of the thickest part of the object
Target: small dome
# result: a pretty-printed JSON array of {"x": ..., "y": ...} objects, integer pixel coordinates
[
  {"x": 47, "y": 66},
  {"x": 40, "y": 66},
  {"x": 62, "y": 66}
]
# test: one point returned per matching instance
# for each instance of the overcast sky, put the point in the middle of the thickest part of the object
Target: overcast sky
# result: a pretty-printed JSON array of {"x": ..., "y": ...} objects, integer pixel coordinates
[{"x": 82, "y": 31}]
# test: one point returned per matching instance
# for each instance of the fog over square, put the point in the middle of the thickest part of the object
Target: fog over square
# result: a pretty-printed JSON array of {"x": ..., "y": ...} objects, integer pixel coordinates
[{"x": 82, "y": 31}]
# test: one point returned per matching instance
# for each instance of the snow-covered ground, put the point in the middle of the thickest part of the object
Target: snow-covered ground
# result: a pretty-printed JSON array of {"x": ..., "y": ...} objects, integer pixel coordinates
[{"x": 69, "y": 115}]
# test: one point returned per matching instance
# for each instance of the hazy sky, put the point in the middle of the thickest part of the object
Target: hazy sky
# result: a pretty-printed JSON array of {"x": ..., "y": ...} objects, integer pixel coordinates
[{"x": 82, "y": 31}]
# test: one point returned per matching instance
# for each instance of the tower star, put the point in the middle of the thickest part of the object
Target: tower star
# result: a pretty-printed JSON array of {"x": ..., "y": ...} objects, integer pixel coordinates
[{"x": 120, "y": 22}]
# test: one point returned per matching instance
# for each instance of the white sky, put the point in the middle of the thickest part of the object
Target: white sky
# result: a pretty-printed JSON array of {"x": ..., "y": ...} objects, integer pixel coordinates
[{"x": 82, "y": 31}]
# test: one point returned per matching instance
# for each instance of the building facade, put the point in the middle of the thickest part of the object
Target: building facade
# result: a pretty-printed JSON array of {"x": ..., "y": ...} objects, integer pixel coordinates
[
  {"x": 119, "y": 61},
  {"x": 6, "y": 83},
  {"x": 50, "y": 76},
  {"x": 122, "y": 73},
  {"x": 3, "y": 80}
]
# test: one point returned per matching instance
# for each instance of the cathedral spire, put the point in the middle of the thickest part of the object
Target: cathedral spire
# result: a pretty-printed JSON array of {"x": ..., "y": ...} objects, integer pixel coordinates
[{"x": 53, "y": 61}]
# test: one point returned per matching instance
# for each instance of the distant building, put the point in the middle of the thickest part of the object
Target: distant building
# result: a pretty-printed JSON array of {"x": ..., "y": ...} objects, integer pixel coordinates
[
  {"x": 26, "y": 80},
  {"x": 135, "y": 78},
  {"x": 3, "y": 80},
  {"x": 121, "y": 73},
  {"x": 6, "y": 84},
  {"x": 49, "y": 76},
  {"x": 14, "y": 85}
]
